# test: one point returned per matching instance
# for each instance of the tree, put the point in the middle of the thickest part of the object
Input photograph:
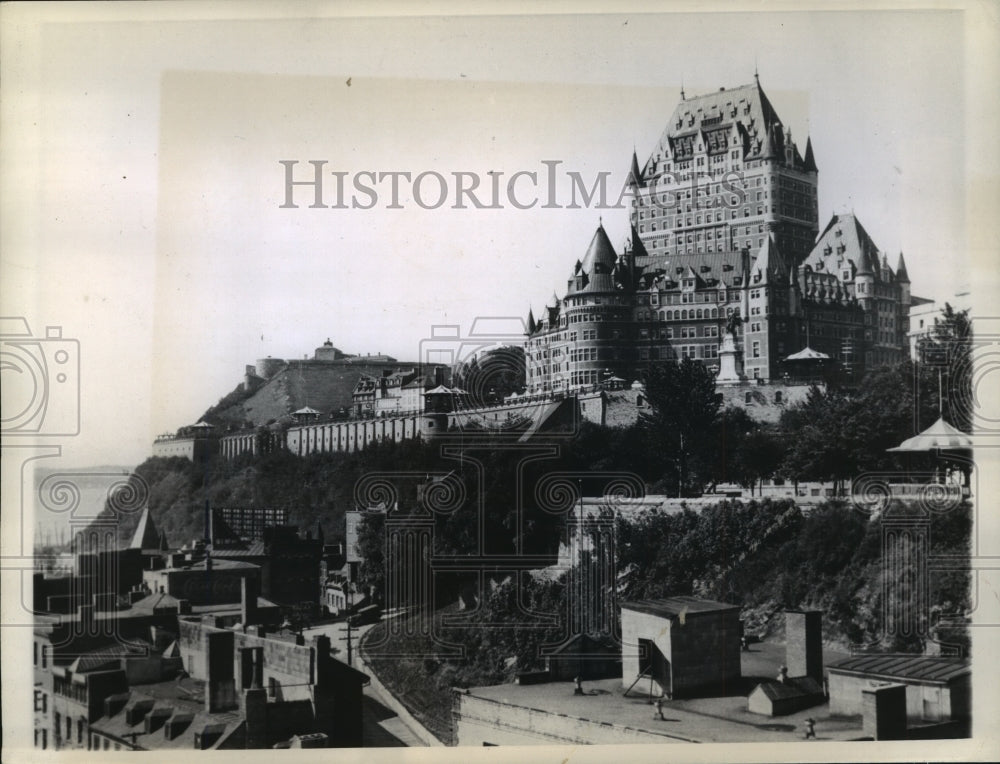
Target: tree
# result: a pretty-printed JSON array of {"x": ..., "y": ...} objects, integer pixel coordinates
[
  {"x": 684, "y": 409},
  {"x": 745, "y": 451},
  {"x": 948, "y": 349},
  {"x": 371, "y": 549}
]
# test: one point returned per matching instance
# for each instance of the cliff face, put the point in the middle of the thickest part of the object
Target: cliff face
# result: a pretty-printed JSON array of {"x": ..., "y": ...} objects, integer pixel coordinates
[{"x": 323, "y": 385}]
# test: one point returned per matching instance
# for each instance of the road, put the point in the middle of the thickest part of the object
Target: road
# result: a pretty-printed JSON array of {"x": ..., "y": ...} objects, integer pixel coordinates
[{"x": 382, "y": 727}]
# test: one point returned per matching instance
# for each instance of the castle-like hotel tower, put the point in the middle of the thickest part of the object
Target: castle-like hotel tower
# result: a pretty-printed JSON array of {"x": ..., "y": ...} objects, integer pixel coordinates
[{"x": 724, "y": 221}]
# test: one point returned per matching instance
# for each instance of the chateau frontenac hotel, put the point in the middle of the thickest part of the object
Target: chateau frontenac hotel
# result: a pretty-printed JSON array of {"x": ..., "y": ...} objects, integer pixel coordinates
[
  {"x": 724, "y": 236},
  {"x": 726, "y": 264}
]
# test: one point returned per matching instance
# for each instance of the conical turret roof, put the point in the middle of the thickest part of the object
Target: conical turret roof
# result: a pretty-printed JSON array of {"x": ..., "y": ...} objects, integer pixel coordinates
[
  {"x": 901, "y": 275},
  {"x": 635, "y": 174},
  {"x": 600, "y": 257},
  {"x": 809, "y": 164}
]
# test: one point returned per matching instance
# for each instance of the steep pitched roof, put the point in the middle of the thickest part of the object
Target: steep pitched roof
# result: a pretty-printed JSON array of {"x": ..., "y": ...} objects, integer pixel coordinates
[
  {"x": 810, "y": 160},
  {"x": 844, "y": 241},
  {"x": 600, "y": 257},
  {"x": 638, "y": 248},
  {"x": 635, "y": 175},
  {"x": 147, "y": 535},
  {"x": 767, "y": 150},
  {"x": 769, "y": 264},
  {"x": 595, "y": 272},
  {"x": 714, "y": 117},
  {"x": 901, "y": 275}
]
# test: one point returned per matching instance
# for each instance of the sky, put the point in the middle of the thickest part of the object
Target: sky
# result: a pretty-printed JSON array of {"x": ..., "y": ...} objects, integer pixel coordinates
[{"x": 143, "y": 184}]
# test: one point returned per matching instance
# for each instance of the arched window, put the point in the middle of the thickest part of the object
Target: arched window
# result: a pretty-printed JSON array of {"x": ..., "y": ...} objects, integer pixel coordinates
[
  {"x": 715, "y": 312},
  {"x": 700, "y": 315}
]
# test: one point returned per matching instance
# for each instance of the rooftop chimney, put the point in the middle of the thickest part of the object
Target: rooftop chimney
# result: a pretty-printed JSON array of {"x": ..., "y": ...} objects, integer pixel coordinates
[
  {"x": 249, "y": 591},
  {"x": 220, "y": 686},
  {"x": 804, "y": 643}
]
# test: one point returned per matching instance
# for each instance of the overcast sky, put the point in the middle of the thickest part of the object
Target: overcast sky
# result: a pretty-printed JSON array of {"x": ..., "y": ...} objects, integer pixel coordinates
[{"x": 143, "y": 189}]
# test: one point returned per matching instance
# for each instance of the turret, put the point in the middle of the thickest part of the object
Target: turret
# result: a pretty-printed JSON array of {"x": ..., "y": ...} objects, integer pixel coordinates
[
  {"x": 903, "y": 279},
  {"x": 809, "y": 163},
  {"x": 635, "y": 175},
  {"x": 438, "y": 404},
  {"x": 864, "y": 280}
]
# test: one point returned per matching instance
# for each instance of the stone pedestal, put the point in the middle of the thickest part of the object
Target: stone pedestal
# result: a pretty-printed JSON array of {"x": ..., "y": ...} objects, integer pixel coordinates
[{"x": 730, "y": 363}]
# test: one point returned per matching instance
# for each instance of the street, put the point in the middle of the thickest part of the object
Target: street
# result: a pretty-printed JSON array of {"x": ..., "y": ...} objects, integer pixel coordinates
[{"x": 382, "y": 726}]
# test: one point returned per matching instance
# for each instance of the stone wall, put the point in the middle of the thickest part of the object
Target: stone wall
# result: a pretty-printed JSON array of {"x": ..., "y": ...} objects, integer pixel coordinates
[
  {"x": 285, "y": 662},
  {"x": 766, "y": 402}
]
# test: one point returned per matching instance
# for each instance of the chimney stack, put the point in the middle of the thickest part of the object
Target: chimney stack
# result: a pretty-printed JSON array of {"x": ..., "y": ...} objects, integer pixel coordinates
[
  {"x": 220, "y": 686},
  {"x": 249, "y": 591},
  {"x": 804, "y": 643}
]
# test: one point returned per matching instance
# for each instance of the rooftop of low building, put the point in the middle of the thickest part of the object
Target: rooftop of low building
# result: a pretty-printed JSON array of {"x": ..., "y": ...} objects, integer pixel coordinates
[{"x": 718, "y": 719}]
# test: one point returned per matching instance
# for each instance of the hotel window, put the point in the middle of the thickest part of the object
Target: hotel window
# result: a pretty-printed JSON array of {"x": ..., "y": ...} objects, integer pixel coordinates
[{"x": 756, "y": 350}]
